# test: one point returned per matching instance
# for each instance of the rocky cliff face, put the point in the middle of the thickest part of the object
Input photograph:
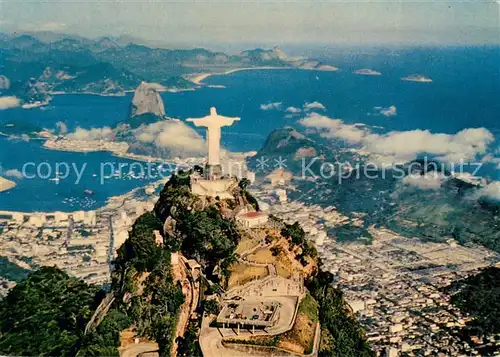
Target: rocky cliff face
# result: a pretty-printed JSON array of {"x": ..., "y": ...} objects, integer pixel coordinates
[
  {"x": 259, "y": 56},
  {"x": 4, "y": 82},
  {"x": 35, "y": 91},
  {"x": 147, "y": 100}
]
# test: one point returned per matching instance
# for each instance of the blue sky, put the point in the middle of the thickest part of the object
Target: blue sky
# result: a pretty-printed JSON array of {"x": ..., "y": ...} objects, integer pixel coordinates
[{"x": 230, "y": 22}]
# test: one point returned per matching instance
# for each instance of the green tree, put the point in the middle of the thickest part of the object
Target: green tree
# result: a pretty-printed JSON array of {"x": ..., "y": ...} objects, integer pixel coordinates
[
  {"x": 46, "y": 314},
  {"x": 226, "y": 263},
  {"x": 208, "y": 236},
  {"x": 140, "y": 249},
  {"x": 155, "y": 312},
  {"x": 244, "y": 183},
  {"x": 294, "y": 232},
  {"x": 479, "y": 295},
  {"x": 175, "y": 198},
  {"x": 104, "y": 341},
  {"x": 334, "y": 313},
  {"x": 211, "y": 306},
  {"x": 189, "y": 346}
]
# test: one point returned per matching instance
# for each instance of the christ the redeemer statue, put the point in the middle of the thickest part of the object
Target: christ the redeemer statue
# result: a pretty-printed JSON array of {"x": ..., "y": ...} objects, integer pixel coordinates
[{"x": 213, "y": 123}]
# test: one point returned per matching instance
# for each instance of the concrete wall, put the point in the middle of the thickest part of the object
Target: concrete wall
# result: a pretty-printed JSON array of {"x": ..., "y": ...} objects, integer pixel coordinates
[{"x": 212, "y": 188}]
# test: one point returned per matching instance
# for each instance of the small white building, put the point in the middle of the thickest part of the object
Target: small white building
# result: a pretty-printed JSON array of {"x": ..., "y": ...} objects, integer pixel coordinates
[
  {"x": 263, "y": 206},
  {"x": 90, "y": 218},
  {"x": 391, "y": 352},
  {"x": 158, "y": 238},
  {"x": 281, "y": 193},
  {"x": 194, "y": 267},
  {"x": 395, "y": 328},
  {"x": 251, "y": 176},
  {"x": 356, "y": 305},
  {"x": 18, "y": 217},
  {"x": 37, "y": 220},
  {"x": 320, "y": 238},
  {"x": 78, "y": 216},
  {"x": 252, "y": 219}
]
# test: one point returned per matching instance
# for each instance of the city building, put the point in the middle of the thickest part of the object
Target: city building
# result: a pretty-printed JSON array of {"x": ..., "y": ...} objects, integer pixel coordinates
[{"x": 252, "y": 219}]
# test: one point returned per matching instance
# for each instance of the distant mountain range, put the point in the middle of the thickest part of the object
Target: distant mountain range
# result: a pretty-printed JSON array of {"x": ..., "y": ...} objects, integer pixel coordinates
[{"x": 37, "y": 64}]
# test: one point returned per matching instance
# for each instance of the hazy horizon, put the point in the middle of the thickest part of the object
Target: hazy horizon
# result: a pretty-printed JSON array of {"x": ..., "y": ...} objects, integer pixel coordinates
[{"x": 231, "y": 24}]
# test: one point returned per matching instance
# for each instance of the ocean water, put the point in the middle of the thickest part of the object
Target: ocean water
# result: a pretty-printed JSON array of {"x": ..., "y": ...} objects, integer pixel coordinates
[
  {"x": 75, "y": 110},
  {"x": 98, "y": 172},
  {"x": 464, "y": 94}
]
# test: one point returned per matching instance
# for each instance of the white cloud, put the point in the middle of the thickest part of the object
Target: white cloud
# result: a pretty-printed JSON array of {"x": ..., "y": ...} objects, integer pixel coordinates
[
  {"x": 13, "y": 173},
  {"x": 156, "y": 86},
  {"x": 388, "y": 112},
  {"x": 25, "y": 137},
  {"x": 314, "y": 105},
  {"x": 334, "y": 128},
  {"x": 429, "y": 181},
  {"x": 61, "y": 127},
  {"x": 293, "y": 110},
  {"x": 491, "y": 191},
  {"x": 405, "y": 145},
  {"x": 367, "y": 72},
  {"x": 490, "y": 159},
  {"x": 9, "y": 102},
  {"x": 175, "y": 136},
  {"x": 50, "y": 26},
  {"x": 271, "y": 106},
  {"x": 105, "y": 133}
]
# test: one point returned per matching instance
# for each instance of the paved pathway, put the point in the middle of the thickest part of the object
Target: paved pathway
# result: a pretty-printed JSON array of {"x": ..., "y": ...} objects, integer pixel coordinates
[{"x": 137, "y": 349}]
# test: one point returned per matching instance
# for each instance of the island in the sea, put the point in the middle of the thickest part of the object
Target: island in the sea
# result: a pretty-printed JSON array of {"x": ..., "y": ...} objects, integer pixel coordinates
[
  {"x": 367, "y": 72},
  {"x": 416, "y": 78}
]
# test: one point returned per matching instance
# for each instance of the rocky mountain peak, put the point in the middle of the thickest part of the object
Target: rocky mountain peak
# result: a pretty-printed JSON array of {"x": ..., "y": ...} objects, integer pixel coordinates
[
  {"x": 104, "y": 43},
  {"x": 279, "y": 53},
  {"x": 286, "y": 144},
  {"x": 147, "y": 100},
  {"x": 4, "y": 82}
]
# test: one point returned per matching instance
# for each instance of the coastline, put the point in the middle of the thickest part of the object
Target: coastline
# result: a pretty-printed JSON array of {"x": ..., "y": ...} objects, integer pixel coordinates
[
  {"x": 36, "y": 104},
  {"x": 197, "y": 79},
  {"x": 120, "y": 94},
  {"x": 117, "y": 149},
  {"x": 111, "y": 202}
]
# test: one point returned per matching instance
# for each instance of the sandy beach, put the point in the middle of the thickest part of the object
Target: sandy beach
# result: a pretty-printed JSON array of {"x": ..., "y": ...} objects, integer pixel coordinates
[
  {"x": 6, "y": 184},
  {"x": 202, "y": 76}
]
